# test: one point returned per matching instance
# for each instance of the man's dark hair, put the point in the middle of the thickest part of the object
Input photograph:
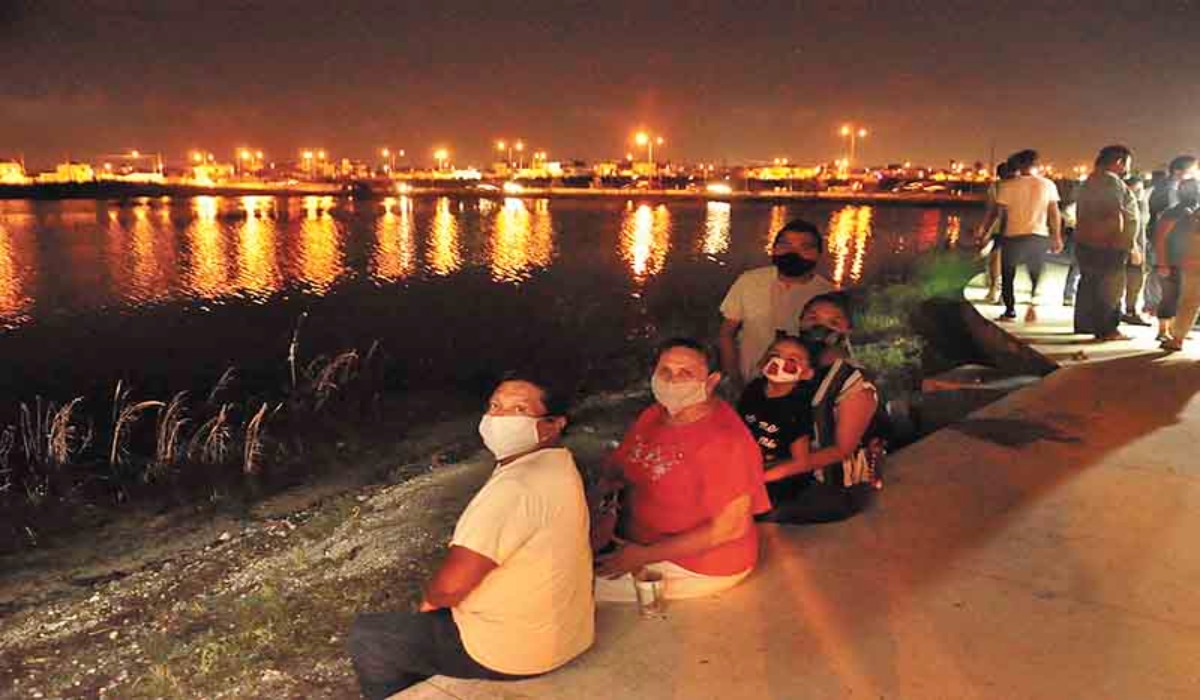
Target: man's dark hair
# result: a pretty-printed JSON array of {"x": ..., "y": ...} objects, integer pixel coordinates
[
  {"x": 1110, "y": 155},
  {"x": 1004, "y": 171},
  {"x": 1022, "y": 161},
  {"x": 711, "y": 361},
  {"x": 1181, "y": 163},
  {"x": 556, "y": 400},
  {"x": 838, "y": 299},
  {"x": 800, "y": 226}
]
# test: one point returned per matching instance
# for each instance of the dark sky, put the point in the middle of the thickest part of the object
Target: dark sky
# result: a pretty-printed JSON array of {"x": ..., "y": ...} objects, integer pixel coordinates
[{"x": 720, "y": 80}]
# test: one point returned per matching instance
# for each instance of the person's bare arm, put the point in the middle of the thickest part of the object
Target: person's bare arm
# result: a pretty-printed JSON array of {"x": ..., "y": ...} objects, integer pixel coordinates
[
  {"x": 461, "y": 572},
  {"x": 730, "y": 524},
  {"x": 989, "y": 220},
  {"x": 728, "y": 349},
  {"x": 852, "y": 417},
  {"x": 1054, "y": 220}
]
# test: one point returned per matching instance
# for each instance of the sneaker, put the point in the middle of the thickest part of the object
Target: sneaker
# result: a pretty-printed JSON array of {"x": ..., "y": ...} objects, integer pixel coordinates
[
  {"x": 1007, "y": 317},
  {"x": 1134, "y": 320},
  {"x": 1068, "y": 301}
]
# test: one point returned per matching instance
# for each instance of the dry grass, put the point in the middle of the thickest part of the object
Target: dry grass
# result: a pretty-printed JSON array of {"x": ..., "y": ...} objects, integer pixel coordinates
[
  {"x": 294, "y": 347},
  {"x": 330, "y": 376},
  {"x": 222, "y": 385},
  {"x": 252, "y": 450},
  {"x": 63, "y": 439},
  {"x": 126, "y": 416},
  {"x": 33, "y": 425},
  {"x": 168, "y": 435},
  {"x": 210, "y": 444}
]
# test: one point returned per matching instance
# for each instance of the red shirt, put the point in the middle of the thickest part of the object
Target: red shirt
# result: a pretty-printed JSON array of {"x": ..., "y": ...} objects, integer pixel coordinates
[{"x": 684, "y": 475}]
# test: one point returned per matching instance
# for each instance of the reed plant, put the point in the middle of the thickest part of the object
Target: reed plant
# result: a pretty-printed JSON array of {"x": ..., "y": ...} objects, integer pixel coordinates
[
  {"x": 168, "y": 436},
  {"x": 125, "y": 416},
  {"x": 331, "y": 375},
  {"x": 210, "y": 443},
  {"x": 222, "y": 386},
  {"x": 252, "y": 450}
]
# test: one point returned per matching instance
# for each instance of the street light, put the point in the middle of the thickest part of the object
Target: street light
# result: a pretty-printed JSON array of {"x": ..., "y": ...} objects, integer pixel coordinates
[
  {"x": 642, "y": 138},
  {"x": 389, "y": 157},
  {"x": 441, "y": 155},
  {"x": 853, "y": 132},
  {"x": 520, "y": 146}
]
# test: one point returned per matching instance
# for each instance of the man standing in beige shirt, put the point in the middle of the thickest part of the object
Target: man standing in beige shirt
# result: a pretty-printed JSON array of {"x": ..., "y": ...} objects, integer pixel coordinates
[
  {"x": 1105, "y": 240},
  {"x": 513, "y": 598}
]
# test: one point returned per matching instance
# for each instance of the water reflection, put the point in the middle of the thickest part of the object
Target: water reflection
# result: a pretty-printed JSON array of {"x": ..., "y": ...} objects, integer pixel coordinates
[
  {"x": 395, "y": 256},
  {"x": 208, "y": 274},
  {"x": 778, "y": 220},
  {"x": 953, "y": 230},
  {"x": 444, "y": 255},
  {"x": 14, "y": 300},
  {"x": 521, "y": 241},
  {"x": 927, "y": 229},
  {"x": 848, "y": 239},
  {"x": 320, "y": 247},
  {"x": 716, "y": 228},
  {"x": 645, "y": 240},
  {"x": 153, "y": 261},
  {"x": 258, "y": 256}
]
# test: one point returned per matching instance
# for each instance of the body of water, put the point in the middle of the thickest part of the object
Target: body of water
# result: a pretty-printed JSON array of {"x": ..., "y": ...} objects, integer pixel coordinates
[{"x": 166, "y": 294}]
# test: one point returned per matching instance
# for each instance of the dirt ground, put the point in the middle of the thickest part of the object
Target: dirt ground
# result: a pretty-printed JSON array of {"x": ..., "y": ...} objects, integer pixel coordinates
[{"x": 180, "y": 605}]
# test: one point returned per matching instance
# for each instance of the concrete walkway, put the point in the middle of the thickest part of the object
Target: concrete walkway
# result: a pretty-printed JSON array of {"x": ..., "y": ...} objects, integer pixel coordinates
[{"x": 1044, "y": 547}]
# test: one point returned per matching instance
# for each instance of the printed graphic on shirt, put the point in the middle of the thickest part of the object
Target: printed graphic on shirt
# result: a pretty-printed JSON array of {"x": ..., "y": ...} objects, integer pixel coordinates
[
  {"x": 764, "y": 432},
  {"x": 654, "y": 459}
]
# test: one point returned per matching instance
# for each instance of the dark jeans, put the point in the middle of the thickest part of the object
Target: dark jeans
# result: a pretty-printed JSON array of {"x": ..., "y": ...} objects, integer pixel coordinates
[
  {"x": 1028, "y": 250},
  {"x": 804, "y": 500},
  {"x": 1152, "y": 291},
  {"x": 1168, "y": 306},
  {"x": 1101, "y": 285},
  {"x": 394, "y": 650},
  {"x": 1072, "y": 282}
]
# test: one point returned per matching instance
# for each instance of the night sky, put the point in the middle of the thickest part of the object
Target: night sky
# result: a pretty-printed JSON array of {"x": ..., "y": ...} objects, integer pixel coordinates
[{"x": 722, "y": 81}]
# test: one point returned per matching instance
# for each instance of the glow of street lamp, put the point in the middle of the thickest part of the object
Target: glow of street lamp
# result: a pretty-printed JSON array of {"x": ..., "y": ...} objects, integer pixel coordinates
[
  {"x": 441, "y": 154},
  {"x": 135, "y": 154},
  {"x": 385, "y": 152},
  {"x": 519, "y": 145},
  {"x": 845, "y": 130},
  {"x": 862, "y": 133},
  {"x": 501, "y": 146},
  {"x": 321, "y": 154},
  {"x": 244, "y": 154},
  {"x": 308, "y": 155},
  {"x": 641, "y": 138}
]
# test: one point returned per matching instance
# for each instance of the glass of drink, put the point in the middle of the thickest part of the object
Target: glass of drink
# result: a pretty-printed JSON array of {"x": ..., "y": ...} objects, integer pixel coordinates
[{"x": 650, "y": 588}]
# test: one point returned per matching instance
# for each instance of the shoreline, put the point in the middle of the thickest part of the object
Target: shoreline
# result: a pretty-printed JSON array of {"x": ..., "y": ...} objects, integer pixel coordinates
[{"x": 375, "y": 189}]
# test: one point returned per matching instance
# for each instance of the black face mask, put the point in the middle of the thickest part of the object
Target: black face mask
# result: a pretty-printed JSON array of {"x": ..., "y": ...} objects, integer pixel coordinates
[
  {"x": 823, "y": 336},
  {"x": 793, "y": 264}
]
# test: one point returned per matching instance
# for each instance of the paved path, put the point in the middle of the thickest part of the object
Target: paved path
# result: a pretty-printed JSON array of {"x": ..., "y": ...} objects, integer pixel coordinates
[{"x": 1044, "y": 547}]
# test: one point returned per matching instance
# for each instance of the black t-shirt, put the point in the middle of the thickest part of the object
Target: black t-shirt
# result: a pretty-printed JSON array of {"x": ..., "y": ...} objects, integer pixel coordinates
[{"x": 777, "y": 423}]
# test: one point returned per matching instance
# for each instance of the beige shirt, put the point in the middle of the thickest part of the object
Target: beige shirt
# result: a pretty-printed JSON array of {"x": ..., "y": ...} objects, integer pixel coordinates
[
  {"x": 1107, "y": 214},
  {"x": 534, "y": 612},
  {"x": 1026, "y": 200},
  {"x": 763, "y": 304}
]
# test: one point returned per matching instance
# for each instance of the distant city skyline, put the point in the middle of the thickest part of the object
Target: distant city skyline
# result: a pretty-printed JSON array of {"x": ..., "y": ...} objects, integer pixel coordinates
[{"x": 719, "y": 83}]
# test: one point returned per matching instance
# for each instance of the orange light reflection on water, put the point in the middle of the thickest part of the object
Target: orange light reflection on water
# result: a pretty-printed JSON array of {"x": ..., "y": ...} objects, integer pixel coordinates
[
  {"x": 953, "y": 230},
  {"x": 717, "y": 217},
  {"x": 645, "y": 240},
  {"x": 320, "y": 246},
  {"x": 847, "y": 240},
  {"x": 778, "y": 220},
  {"x": 14, "y": 275},
  {"x": 395, "y": 255},
  {"x": 521, "y": 240},
  {"x": 443, "y": 254},
  {"x": 258, "y": 257},
  {"x": 208, "y": 274}
]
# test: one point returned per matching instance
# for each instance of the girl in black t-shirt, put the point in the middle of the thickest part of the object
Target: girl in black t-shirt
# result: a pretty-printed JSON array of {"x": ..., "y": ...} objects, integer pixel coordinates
[{"x": 777, "y": 408}]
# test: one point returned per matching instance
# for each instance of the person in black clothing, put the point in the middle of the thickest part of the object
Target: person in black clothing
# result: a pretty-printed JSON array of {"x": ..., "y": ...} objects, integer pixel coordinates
[{"x": 776, "y": 407}]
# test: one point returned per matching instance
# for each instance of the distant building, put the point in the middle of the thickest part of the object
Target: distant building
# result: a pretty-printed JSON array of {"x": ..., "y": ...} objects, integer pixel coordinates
[
  {"x": 12, "y": 173},
  {"x": 69, "y": 172},
  {"x": 209, "y": 173}
]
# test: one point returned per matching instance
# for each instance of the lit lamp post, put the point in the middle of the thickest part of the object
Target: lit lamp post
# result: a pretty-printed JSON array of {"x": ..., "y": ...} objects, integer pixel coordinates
[
  {"x": 520, "y": 146},
  {"x": 854, "y": 133},
  {"x": 308, "y": 162},
  {"x": 388, "y": 163},
  {"x": 642, "y": 138},
  {"x": 441, "y": 155}
]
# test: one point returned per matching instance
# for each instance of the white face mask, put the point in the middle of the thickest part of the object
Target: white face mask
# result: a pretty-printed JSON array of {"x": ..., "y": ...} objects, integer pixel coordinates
[
  {"x": 776, "y": 371},
  {"x": 505, "y": 436},
  {"x": 676, "y": 396}
]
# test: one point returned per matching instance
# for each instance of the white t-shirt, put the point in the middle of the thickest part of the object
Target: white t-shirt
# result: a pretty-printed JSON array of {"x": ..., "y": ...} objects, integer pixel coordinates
[
  {"x": 1026, "y": 199},
  {"x": 534, "y": 612},
  {"x": 763, "y": 304}
]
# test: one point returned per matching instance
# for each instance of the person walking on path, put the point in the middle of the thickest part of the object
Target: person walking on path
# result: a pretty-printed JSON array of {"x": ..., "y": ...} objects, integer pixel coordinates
[
  {"x": 1163, "y": 196},
  {"x": 1135, "y": 268},
  {"x": 1178, "y": 265},
  {"x": 765, "y": 302},
  {"x": 1029, "y": 204},
  {"x": 1105, "y": 236}
]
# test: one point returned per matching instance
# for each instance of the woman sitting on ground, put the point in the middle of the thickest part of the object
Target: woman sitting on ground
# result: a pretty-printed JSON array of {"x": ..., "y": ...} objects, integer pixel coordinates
[{"x": 843, "y": 407}]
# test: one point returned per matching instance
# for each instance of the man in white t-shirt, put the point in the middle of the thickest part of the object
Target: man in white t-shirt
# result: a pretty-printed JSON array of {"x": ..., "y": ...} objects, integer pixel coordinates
[
  {"x": 513, "y": 597},
  {"x": 766, "y": 301},
  {"x": 1029, "y": 205}
]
